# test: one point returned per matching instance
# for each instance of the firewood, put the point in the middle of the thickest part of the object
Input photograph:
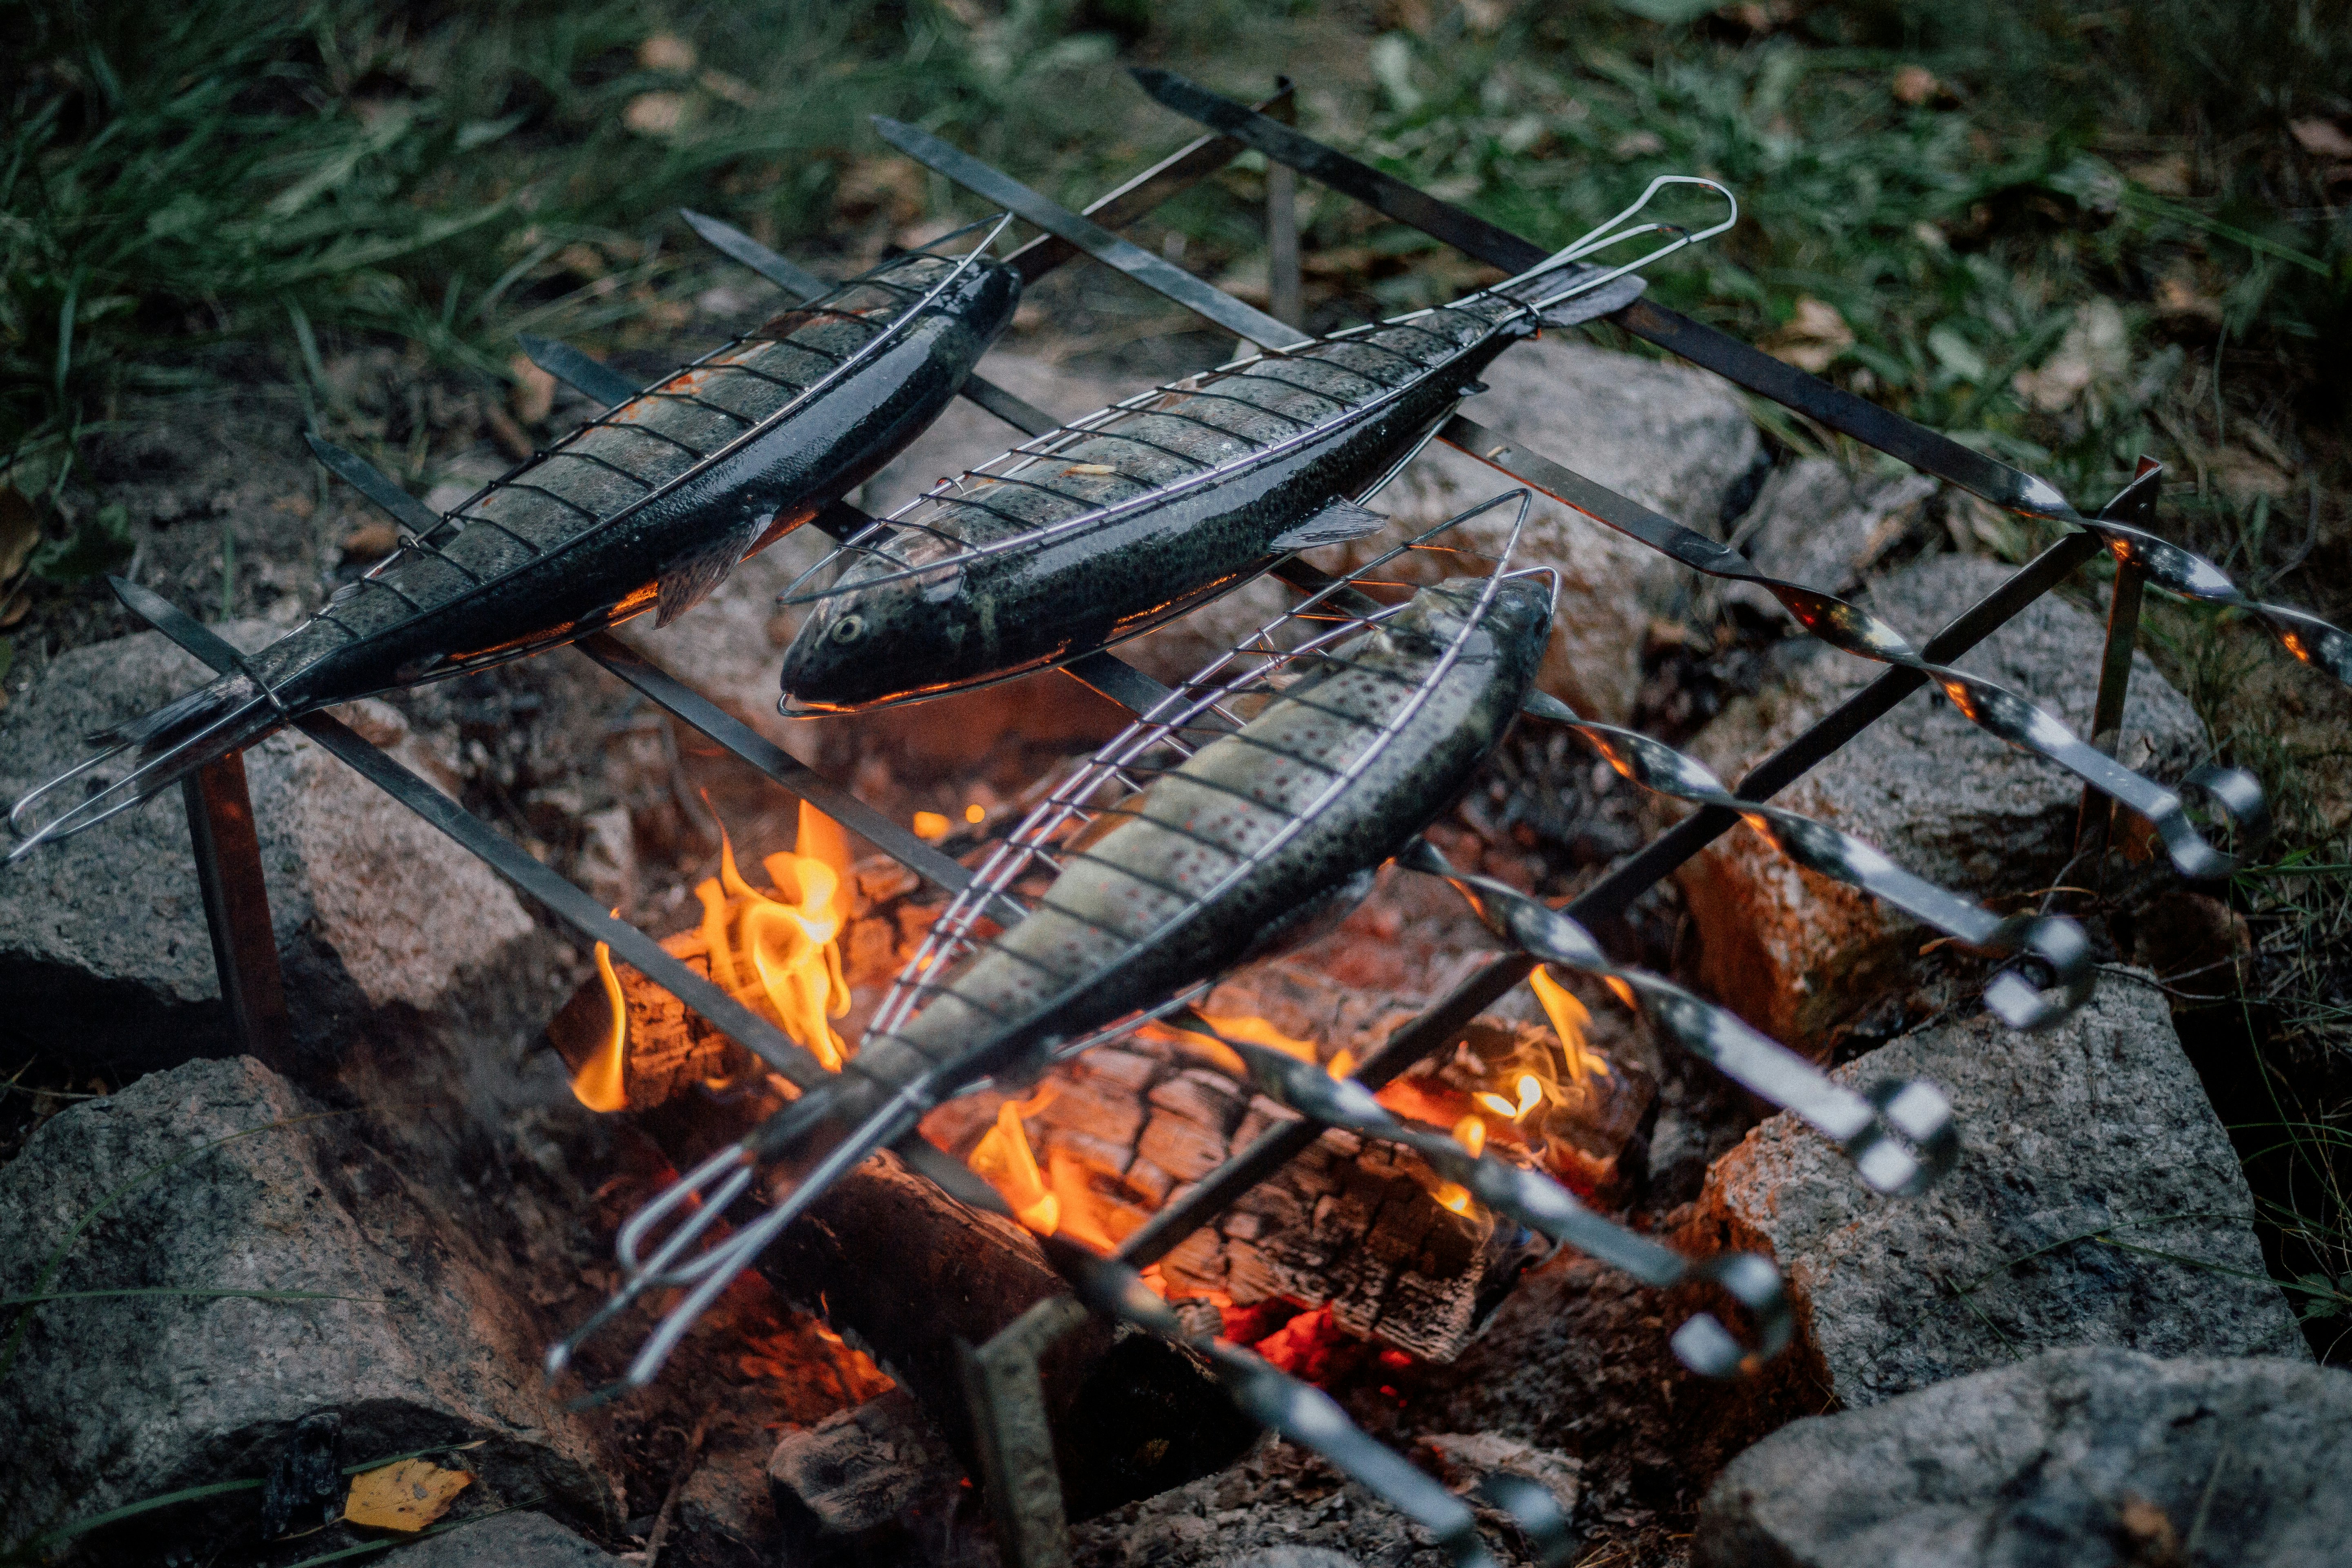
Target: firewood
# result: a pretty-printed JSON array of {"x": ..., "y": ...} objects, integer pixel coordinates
[{"x": 907, "y": 1275}]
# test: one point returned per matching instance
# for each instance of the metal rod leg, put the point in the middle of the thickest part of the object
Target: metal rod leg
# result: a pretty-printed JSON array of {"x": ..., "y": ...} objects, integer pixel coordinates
[
  {"x": 1285, "y": 293},
  {"x": 236, "y": 909},
  {"x": 1016, "y": 1446},
  {"x": 2092, "y": 823},
  {"x": 1282, "y": 246}
]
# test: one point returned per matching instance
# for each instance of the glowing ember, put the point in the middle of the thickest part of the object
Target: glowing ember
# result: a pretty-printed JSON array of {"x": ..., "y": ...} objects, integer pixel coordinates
[
  {"x": 1003, "y": 1161},
  {"x": 598, "y": 1083}
]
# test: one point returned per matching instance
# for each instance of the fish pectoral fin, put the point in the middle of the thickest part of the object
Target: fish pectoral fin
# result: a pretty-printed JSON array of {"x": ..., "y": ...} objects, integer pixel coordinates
[
  {"x": 1335, "y": 524},
  {"x": 688, "y": 581}
]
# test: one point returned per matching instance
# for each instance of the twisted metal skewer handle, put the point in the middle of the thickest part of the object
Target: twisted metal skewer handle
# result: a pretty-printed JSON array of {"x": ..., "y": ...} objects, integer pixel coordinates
[
  {"x": 1899, "y": 1136},
  {"x": 2051, "y": 943},
  {"x": 1853, "y": 629}
]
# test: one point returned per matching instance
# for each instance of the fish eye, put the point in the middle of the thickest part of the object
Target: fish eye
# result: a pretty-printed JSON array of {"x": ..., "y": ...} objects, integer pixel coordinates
[{"x": 849, "y": 628}]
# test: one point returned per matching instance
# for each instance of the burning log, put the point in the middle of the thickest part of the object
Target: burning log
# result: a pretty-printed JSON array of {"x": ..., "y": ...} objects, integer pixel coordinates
[{"x": 895, "y": 1265}]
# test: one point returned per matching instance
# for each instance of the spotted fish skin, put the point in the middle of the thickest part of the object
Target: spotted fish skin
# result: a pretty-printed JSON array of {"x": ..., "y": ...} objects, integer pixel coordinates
[
  {"x": 646, "y": 507},
  {"x": 562, "y": 502},
  {"x": 1142, "y": 529},
  {"x": 1081, "y": 960}
]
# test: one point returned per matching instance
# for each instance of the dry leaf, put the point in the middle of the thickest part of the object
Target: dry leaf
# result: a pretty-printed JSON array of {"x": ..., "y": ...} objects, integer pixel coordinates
[
  {"x": 370, "y": 541},
  {"x": 2179, "y": 296},
  {"x": 2092, "y": 354},
  {"x": 533, "y": 396},
  {"x": 655, "y": 113},
  {"x": 406, "y": 1495},
  {"x": 1813, "y": 338},
  {"x": 20, "y": 530},
  {"x": 2322, "y": 138},
  {"x": 2166, "y": 176},
  {"x": 665, "y": 52}
]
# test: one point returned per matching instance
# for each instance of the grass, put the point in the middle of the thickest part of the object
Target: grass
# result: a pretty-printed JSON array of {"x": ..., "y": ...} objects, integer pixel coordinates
[{"x": 2071, "y": 234}]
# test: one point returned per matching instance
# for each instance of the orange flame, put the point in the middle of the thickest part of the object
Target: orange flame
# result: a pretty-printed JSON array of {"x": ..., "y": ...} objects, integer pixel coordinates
[
  {"x": 1569, "y": 1017},
  {"x": 1256, "y": 1031},
  {"x": 1003, "y": 1161},
  {"x": 598, "y": 1084},
  {"x": 1078, "y": 1220},
  {"x": 1471, "y": 1133},
  {"x": 785, "y": 949}
]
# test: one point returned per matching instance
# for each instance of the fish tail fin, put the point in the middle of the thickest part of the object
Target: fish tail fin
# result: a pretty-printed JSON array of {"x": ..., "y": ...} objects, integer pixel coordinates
[{"x": 165, "y": 746}]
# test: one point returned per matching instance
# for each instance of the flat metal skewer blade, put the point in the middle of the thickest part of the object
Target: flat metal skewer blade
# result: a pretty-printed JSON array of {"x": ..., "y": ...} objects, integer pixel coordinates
[
  {"x": 376, "y": 485},
  {"x": 573, "y": 906},
  {"x": 1219, "y": 309},
  {"x": 575, "y": 369},
  {"x": 1021, "y": 415},
  {"x": 1928, "y": 451},
  {"x": 1327, "y": 165},
  {"x": 733, "y": 242},
  {"x": 1173, "y": 175}
]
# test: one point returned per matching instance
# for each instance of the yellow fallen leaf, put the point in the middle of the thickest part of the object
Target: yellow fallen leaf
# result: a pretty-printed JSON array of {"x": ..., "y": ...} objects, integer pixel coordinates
[
  {"x": 20, "y": 530},
  {"x": 406, "y": 1495}
]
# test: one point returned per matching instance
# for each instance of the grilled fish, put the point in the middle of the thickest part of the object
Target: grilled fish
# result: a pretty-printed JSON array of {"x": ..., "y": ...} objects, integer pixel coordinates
[
  {"x": 1229, "y": 855},
  {"x": 645, "y": 508},
  {"x": 1108, "y": 527}
]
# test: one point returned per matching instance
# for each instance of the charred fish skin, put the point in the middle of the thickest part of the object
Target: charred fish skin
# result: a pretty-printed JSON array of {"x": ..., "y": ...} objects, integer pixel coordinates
[
  {"x": 647, "y": 506},
  {"x": 1080, "y": 960},
  {"x": 1141, "y": 518}
]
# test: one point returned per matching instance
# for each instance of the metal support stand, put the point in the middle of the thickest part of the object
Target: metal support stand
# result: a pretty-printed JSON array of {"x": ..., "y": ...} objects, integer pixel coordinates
[
  {"x": 1001, "y": 1378},
  {"x": 236, "y": 909},
  {"x": 1286, "y": 299},
  {"x": 1016, "y": 1444},
  {"x": 2092, "y": 823},
  {"x": 1282, "y": 247}
]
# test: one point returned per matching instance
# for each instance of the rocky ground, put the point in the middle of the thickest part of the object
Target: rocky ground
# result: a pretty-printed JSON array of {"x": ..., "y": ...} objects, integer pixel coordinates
[{"x": 2073, "y": 1347}]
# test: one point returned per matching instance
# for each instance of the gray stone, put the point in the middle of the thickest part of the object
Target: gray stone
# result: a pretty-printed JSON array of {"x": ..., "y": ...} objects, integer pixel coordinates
[
  {"x": 2088, "y": 1458},
  {"x": 1676, "y": 440},
  {"x": 113, "y": 1399},
  {"x": 504, "y": 1540},
  {"x": 102, "y": 936},
  {"x": 1797, "y": 955},
  {"x": 2096, "y": 1201},
  {"x": 1815, "y": 524}
]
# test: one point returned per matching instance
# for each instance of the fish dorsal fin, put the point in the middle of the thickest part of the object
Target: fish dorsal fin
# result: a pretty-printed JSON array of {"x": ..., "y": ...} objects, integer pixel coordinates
[
  {"x": 688, "y": 581},
  {"x": 1335, "y": 524}
]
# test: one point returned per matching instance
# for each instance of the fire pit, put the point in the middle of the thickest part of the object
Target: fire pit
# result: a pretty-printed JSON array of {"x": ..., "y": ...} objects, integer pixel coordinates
[{"x": 1112, "y": 1225}]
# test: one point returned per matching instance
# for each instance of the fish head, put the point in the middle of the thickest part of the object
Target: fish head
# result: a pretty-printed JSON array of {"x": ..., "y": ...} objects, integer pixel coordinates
[
  {"x": 1516, "y": 621},
  {"x": 882, "y": 634}
]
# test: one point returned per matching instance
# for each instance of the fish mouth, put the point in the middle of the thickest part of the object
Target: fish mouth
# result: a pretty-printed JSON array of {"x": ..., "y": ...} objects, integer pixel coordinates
[{"x": 863, "y": 649}]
